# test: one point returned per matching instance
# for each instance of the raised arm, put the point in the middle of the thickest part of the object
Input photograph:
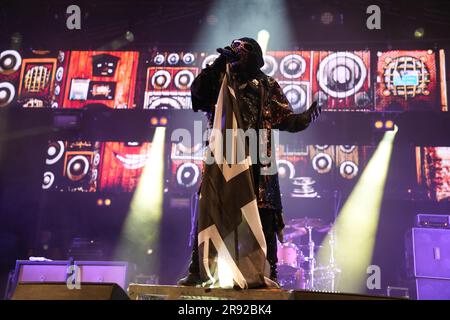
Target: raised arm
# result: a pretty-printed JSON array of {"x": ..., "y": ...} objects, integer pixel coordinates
[
  {"x": 206, "y": 86},
  {"x": 283, "y": 117}
]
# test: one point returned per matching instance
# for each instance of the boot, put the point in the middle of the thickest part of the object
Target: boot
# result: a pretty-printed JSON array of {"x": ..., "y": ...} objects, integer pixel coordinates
[{"x": 193, "y": 278}]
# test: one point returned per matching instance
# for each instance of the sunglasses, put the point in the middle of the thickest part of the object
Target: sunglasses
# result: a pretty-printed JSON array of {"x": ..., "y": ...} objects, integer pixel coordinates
[{"x": 239, "y": 44}]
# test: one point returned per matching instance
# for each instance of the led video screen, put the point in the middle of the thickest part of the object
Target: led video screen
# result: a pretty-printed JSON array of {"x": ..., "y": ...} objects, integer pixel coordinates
[
  {"x": 32, "y": 79},
  {"x": 305, "y": 171},
  {"x": 106, "y": 77},
  {"x": 90, "y": 166},
  {"x": 433, "y": 171},
  {"x": 339, "y": 81},
  {"x": 406, "y": 80}
]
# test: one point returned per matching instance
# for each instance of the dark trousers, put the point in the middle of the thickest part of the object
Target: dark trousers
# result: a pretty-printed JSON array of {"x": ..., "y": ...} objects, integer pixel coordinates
[{"x": 268, "y": 222}]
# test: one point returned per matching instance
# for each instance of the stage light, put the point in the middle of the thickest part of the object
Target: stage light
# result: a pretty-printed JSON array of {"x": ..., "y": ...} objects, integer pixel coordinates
[
  {"x": 163, "y": 121},
  {"x": 212, "y": 19},
  {"x": 129, "y": 36},
  {"x": 154, "y": 121},
  {"x": 378, "y": 124},
  {"x": 327, "y": 18},
  {"x": 232, "y": 19},
  {"x": 263, "y": 40},
  {"x": 99, "y": 202},
  {"x": 141, "y": 228},
  {"x": 357, "y": 223},
  {"x": 107, "y": 202},
  {"x": 389, "y": 124},
  {"x": 419, "y": 33},
  {"x": 16, "y": 41}
]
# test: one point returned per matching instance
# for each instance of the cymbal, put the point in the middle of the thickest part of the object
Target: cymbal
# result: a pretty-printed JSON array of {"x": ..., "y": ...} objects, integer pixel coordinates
[
  {"x": 305, "y": 223},
  {"x": 325, "y": 228},
  {"x": 295, "y": 234}
]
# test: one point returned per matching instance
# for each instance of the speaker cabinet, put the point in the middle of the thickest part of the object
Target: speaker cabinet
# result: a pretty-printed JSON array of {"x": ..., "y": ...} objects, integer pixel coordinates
[
  {"x": 60, "y": 291},
  {"x": 431, "y": 289},
  {"x": 103, "y": 272},
  {"x": 428, "y": 253}
]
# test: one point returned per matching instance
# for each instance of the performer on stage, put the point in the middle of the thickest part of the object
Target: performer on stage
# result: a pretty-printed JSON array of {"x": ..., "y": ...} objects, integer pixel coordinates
[{"x": 240, "y": 211}]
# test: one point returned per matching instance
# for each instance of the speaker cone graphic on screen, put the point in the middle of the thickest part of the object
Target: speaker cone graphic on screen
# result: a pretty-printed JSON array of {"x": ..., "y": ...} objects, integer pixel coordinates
[
  {"x": 297, "y": 95},
  {"x": 77, "y": 167},
  {"x": 49, "y": 179},
  {"x": 169, "y": 80},
  {"x": 292, "y": 66},
  {"x": 341, "y": 74},
  {"x": 348, "y": 170},
  {"x": 270, "y": 65},
  {"x": 10, "y": 61},
  {"x": 188, "y": 174},
  {"x": 188, "y": 58},
  {"x": 322, "y": 162},
  {"x": 7, "y": 93},
  {"x": 286, "y": 169},
  {"x": 184, "y": 79}
]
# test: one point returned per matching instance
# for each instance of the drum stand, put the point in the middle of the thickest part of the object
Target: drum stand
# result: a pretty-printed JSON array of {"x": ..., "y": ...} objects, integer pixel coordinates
[
  {"x": 333, "y": 270},
  {"x": 311, "y": 260}
]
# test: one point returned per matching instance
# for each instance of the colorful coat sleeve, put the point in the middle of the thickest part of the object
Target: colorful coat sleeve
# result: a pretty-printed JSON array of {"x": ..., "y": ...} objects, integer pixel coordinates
[{"x": 283, "y": 118}]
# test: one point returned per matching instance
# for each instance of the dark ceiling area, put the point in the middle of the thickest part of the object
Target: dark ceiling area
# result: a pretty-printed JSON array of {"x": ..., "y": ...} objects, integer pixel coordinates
[{"x": 170, "y": 23}]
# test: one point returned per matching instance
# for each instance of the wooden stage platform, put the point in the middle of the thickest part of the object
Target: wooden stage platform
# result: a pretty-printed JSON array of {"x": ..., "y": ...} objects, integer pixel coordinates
[{"x": 165, "y": 292}]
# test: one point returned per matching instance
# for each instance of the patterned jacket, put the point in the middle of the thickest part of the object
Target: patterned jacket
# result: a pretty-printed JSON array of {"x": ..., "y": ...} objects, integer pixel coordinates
[{"x": 264, "y": 106}]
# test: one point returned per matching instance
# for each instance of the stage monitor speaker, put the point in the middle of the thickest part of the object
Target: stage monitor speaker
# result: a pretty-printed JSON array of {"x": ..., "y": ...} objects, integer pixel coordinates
[
  {"x": 60, "y": 291},
  {"x": 428, "y": 253},
  {"x": 103, "y": 272},
  {"x": 41, "y": 271},
  {"x": 431, "y": 289}
]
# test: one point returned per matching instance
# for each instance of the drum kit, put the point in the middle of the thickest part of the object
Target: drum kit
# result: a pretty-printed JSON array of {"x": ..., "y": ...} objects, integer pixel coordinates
[{"x": 298, "y": 267}]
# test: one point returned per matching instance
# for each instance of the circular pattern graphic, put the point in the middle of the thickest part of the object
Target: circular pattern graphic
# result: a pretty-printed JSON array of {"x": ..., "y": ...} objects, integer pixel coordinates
[
  {"x": 10, "y": 61},
  {"x": 347, "y": 148},
  {"x": 7, "y": 93},
  {"x": 61, "y": 56},
  {"x": 161, "y": 79},
  {"x": 57, "y": 90},
  {"x": 188, "y": 174},
  {"x": 362, "y": 99},
  {"x": 292, "y": 66},
  {"x": 341, "y": 74},
  {"x": 348, "y": 169},
  {"x": 54, "y": 105},
  {"x": 321, "y": 163},
  {"x": 59, "y": 73},
  {"x": 173, "y": 58},
  {"x": 296, "y": 96},
  {"x": 286, "y": 169},
  {"x": 96, "y": 159},
  {"x": 270, "y": 66},
  {"x": 209, "y": 60},
  {"x": 184, "y": 79},
  {"x": 77, "y": 168},
  {"x": 159, "y": 59},
  {"x": 48, "y": 180},
  {"x": 94, "y": 174},
  {"x": 54, "y": 152},
  {"x": 188, "y": 58},
  {"x": 164, "y": 103},
  {"x": 397, "y": 69}
]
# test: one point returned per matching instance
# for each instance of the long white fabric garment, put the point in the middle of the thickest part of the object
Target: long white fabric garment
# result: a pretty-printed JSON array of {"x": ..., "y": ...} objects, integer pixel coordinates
[{"x": 232, "y": 248}]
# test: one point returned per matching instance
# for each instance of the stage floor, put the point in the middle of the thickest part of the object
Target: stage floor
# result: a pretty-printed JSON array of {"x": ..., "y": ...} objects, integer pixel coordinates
[{"x": 166, "y": 292}]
